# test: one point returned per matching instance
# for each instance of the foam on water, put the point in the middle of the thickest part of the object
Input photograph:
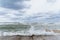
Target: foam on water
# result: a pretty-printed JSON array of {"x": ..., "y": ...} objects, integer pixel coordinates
[
  {"x": 27, "y": 34},
  {"x": 30, "y": 31}
]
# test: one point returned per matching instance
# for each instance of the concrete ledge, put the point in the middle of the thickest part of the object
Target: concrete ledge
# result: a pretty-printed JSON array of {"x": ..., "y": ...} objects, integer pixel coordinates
[{"x": 36, "y": 37}]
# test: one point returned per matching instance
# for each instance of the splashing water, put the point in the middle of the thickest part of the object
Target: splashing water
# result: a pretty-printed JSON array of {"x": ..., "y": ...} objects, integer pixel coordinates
[{"x": 29, "y": 31}]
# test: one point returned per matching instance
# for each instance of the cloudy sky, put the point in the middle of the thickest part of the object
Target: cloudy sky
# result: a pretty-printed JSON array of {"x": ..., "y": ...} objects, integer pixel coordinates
[{"x": 30, "y": 10}]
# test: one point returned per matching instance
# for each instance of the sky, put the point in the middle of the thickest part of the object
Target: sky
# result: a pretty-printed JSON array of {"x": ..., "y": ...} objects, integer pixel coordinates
[{"x": 30, "y": 11}]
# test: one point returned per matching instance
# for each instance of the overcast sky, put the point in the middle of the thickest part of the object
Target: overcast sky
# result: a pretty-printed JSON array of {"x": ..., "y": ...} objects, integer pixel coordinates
[{"x": 30, "y": 10}]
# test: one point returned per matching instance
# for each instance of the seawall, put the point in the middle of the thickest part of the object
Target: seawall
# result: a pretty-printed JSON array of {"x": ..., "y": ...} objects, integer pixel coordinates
[{"x": 36, "y": 37}]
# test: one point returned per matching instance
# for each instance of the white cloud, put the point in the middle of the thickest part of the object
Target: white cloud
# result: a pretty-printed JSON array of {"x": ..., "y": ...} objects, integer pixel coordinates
[
  {"x": 42, "y": 6},
  {"x": 34, "y": 8},
  {"x": 9, "y": 14}
]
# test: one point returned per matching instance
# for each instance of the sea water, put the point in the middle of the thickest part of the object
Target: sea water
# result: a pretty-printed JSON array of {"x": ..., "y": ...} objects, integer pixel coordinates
[{"x": 37, "y": 29}]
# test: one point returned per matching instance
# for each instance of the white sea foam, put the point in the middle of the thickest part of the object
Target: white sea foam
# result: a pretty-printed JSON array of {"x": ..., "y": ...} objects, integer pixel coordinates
[{"x": 29, "y": 33}]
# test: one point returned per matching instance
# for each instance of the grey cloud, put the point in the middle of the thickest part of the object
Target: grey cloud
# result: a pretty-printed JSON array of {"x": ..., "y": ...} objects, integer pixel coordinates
[
  {"x": 2, "y": 13},
  {"x": 51, "y": 1},
  {"x": 10, "y": 4}
]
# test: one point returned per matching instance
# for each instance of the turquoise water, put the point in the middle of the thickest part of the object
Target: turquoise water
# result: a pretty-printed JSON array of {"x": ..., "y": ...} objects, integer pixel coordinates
[
  {"x": 26, "y": 29},
  {"x": 14, "y": 27}
]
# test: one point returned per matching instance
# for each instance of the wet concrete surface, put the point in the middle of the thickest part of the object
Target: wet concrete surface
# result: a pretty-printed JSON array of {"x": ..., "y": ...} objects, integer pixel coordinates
[{"x": 41, "y": 37}]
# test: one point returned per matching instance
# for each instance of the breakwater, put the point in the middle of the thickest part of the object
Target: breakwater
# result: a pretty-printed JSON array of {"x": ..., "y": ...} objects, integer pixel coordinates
[{"x": 33, "y": 37}]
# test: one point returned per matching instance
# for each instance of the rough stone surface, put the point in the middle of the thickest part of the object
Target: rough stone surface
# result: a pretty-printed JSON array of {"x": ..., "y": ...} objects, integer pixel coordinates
[{"x": 56, "y": 37}]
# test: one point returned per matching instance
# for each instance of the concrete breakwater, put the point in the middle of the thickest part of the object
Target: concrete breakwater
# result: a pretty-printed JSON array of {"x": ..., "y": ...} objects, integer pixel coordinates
[{"x": 37, "y": 37}]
